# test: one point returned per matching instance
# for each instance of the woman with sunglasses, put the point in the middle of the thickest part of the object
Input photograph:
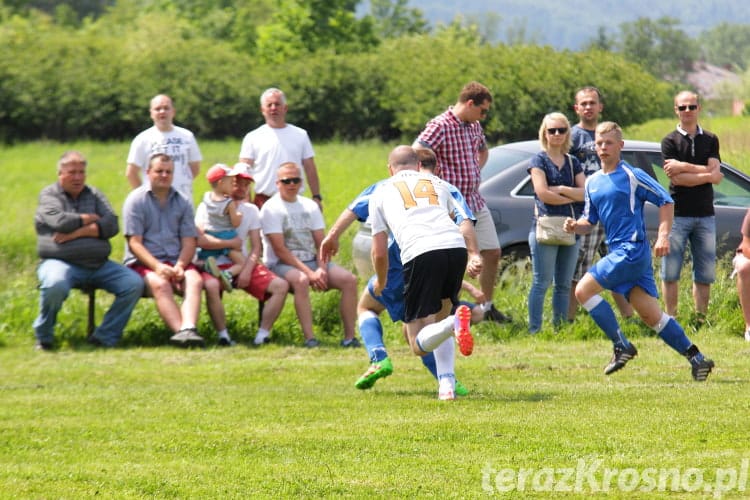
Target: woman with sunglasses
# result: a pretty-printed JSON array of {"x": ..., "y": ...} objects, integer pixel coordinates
[{"x": 558, "y": 182}]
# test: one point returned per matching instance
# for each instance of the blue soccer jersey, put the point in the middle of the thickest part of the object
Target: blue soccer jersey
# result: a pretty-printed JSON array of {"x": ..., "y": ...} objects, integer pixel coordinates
[{"x": 616, "y": 199}]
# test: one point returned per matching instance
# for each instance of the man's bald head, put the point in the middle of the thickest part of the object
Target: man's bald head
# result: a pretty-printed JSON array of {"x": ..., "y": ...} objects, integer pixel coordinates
[{"x": 403, "y": 158}]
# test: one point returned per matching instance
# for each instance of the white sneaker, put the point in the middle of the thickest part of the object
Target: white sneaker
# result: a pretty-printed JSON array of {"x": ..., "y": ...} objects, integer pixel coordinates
[
  {"x": 262, "y": 338},
  {"x": 747, "y": 335},
  {"x": 446, "y": 390}
]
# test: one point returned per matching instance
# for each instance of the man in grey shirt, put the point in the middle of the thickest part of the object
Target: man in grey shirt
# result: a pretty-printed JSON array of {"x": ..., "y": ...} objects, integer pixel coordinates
[
  {"x": 74, "y": 223},
  {"x": 161, "y": 236}
]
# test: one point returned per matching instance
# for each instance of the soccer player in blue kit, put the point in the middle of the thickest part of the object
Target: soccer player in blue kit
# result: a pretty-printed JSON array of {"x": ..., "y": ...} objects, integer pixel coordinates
[{"x": 615, "y": 196}]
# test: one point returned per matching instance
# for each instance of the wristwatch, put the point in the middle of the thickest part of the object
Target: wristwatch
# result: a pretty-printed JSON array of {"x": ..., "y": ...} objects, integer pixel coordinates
[{"x": 317, "y": 197}]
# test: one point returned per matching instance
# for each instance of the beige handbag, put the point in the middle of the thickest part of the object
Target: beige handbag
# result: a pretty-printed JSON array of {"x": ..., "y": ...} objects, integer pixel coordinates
[
  {"x": 549, "y": 228},
  {"x": 549, "y": 231}
]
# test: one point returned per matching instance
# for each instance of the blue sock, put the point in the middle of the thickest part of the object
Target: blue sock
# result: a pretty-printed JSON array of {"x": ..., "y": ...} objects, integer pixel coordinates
[
  {"x": 604, "y": 317},
  {"x": 371, "y": 332},
  {"x": 674, "y": 336},
  {"x": 428, "y": 360}
]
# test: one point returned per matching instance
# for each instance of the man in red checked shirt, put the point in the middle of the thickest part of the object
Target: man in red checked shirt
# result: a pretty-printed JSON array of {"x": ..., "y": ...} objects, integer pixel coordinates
[{"x": 457, "y": 139}]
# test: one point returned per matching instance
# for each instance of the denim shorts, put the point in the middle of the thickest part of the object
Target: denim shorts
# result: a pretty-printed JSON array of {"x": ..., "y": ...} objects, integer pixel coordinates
[{"x": 701, "y": 233}]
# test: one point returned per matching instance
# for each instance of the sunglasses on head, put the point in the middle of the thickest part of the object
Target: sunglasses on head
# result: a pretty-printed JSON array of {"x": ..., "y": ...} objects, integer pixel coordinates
[
  {"x": 291, "y": 180},
  {"x": 557, "y": 130},
  {"x": 691, "y": 107}
]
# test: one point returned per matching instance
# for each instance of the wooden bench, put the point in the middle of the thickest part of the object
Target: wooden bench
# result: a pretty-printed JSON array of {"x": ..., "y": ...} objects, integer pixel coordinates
[{"x": 91, "y": 314}]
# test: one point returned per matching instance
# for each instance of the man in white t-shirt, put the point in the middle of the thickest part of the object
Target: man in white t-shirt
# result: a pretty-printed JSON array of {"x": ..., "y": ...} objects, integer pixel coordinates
[
  {"x": 179, "y": 143},
  {"x": 293, "y": 229},
  {"x": 277, "y": 142},
  {"x": 254, "y": 278},
  {"x": 418, "y": 210}
]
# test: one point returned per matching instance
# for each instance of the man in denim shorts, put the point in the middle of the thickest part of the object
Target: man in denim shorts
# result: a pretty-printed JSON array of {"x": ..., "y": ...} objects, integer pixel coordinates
[{"x": 691, "y": 161}]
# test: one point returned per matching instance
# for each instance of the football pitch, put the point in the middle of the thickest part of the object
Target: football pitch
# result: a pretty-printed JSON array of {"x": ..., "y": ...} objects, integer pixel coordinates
[{"x": 282, "y": 421}]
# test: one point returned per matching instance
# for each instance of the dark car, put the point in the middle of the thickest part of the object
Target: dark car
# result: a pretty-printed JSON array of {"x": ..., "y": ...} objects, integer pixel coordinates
[{"x": 506, "y": 186}]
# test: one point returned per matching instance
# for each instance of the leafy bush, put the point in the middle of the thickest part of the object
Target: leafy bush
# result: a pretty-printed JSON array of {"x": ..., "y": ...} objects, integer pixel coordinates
[{"x": 96, "y": 81}]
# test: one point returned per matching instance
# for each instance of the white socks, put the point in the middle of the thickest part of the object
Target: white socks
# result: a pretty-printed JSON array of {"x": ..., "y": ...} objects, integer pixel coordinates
[
  {"x": 431, "y": 336},
  {"x": 261, "y": 336}
]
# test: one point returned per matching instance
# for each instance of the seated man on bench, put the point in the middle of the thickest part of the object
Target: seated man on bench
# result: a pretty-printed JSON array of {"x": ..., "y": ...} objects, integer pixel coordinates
[
  {"x": 161, "y": 236},
  {"x": 74, "y": 223}
]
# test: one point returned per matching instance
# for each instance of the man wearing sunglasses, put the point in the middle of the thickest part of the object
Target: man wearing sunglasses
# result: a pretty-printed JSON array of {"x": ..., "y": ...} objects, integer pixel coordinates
[
  {"x": 691, "y": 161},
  {"x": 293, "y": 229}
]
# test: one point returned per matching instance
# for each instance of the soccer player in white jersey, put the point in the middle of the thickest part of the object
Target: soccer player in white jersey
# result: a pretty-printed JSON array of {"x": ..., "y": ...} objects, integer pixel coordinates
[
  {"x": 615, "y": 195},
  {"x": 419, "y": 211}
]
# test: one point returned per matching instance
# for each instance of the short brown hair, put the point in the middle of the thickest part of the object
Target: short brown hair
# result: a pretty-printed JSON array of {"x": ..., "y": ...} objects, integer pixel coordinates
[
  {"x": 427, "y": 158},
  {"x": 475, "y": 92}
]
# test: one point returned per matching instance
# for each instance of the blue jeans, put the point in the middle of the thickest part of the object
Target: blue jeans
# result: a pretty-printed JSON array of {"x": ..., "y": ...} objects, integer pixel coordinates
[
  {"x": 550, "y": 262},
  {"x": 57, "y": 277},
  {"x": 701, "y": 233}
]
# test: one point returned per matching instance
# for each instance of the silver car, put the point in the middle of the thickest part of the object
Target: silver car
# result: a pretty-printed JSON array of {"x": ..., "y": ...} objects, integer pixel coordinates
[{"x": 506, "y": 187}]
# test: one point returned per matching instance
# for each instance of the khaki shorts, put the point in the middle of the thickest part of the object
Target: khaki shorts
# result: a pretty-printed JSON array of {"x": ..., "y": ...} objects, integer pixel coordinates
[{"x": 485, "y": 229}]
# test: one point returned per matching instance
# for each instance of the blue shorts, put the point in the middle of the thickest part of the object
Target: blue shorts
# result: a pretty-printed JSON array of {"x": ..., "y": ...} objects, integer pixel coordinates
[
  {"x": 392, "y": 297},
  {"x": 203, "y": 254},
  {"x": 701, "y": 233},
  {"x": 625, "y": 267}
]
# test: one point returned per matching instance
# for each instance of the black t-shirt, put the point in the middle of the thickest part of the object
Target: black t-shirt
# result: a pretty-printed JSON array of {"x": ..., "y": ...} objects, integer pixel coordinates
[{"x": 695, "y": 201}]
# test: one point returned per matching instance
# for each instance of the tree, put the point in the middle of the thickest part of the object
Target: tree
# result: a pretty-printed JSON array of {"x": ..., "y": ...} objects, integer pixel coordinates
[
  {"x": 727, "y": 45},
  {"x": 302, "y": 27},
  {"x": 602, "y": 41},
  {"x": 394, "y": 19},
  {"x": 659, "y": 46}
]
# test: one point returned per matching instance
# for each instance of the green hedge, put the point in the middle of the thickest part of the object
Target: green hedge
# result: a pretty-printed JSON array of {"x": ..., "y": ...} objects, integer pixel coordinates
[{"x": 95, "y": 83}]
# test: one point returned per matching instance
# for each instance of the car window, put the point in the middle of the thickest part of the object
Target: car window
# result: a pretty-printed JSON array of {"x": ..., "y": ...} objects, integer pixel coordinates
[
  {"x": 527, "y": 189},
  {"x": 650, "y": 162},
  {"x": 732, "y": 191},
  {"x": 500, "y": 159}
]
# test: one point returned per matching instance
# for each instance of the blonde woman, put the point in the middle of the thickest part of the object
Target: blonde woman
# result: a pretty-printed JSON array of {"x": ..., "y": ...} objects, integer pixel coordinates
[{"x": 558, "y": 182}]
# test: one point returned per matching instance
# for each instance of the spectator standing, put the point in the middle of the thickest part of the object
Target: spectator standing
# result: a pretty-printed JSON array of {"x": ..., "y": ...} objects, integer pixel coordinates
[
  {"x": 293, "y": 229},
  {"x": 176, "y": 141},
  {"x": 457, "y": 139},
  {"x": 254, "y": 278},
  {"x": 615, "y": 196},
  {"x": 161, "y": 241},
  {"x": 558, "y": 183},
  {"x": 276, "y": 142},
  {"x": 589, "y": 106},
  {"x": 692, "y": 163},
  {"x": 74, "y": 223}
]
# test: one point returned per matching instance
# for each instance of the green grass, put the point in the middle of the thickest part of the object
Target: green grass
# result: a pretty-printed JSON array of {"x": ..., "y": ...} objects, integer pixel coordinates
[
  {"x": 287, "y": 422},
  {"x": 146, "y": 420}
]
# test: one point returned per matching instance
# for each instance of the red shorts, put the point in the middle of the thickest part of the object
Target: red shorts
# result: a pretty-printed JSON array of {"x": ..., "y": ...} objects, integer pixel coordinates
[
  {"x": 260, "y": 278},
  {"x": 259, "y": 199}
]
